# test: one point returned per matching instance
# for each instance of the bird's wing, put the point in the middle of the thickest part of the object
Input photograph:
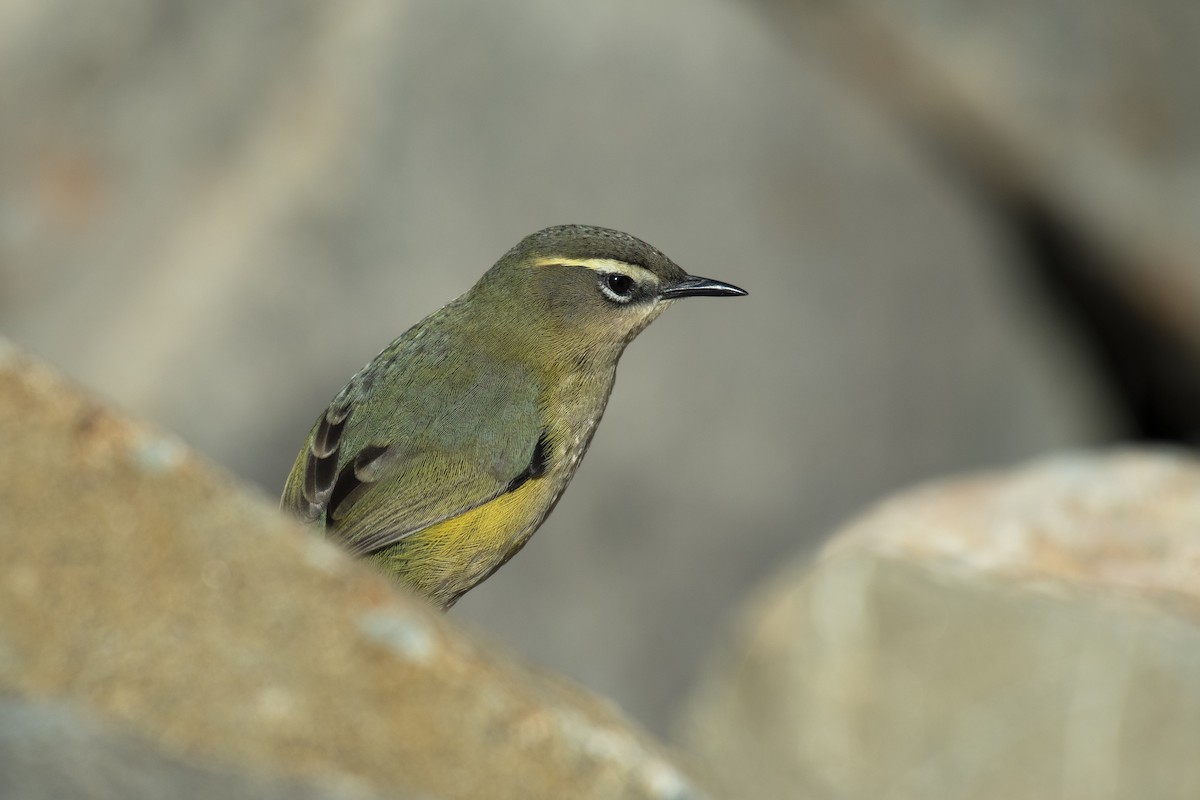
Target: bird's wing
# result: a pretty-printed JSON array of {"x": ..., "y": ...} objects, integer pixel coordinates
[{"x": 382, "y": 464}]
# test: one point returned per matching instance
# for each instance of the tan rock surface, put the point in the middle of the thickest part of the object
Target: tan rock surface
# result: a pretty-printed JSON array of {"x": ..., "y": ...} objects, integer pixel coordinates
[
  {"x": 1033, "y": 634},
  {"x": 144, "y": 588}
]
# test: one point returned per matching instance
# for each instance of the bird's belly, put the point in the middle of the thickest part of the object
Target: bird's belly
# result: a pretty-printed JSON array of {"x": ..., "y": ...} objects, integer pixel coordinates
[{"x": 446, "y": 559}]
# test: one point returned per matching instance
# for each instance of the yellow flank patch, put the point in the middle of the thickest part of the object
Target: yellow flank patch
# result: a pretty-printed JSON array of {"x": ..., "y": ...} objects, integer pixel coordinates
[
  {"x": 605, "y": 265},
  {"x": 452, "y": 555},
  {"x": 492, "y": 524}
]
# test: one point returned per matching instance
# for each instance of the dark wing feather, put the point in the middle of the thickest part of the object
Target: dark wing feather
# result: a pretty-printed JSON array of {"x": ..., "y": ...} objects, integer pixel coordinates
[{"x": 313, "y": 476}]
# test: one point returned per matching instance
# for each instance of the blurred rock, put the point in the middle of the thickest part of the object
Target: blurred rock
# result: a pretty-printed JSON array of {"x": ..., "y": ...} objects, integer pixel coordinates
[
  {"x": 1081, "y": 114},
  {"x": 1032, "y": 634},
  {"x": 52, "y": 752},
  {"x": 141, "y": 589},
  {"x": 1087, "y": 103}
]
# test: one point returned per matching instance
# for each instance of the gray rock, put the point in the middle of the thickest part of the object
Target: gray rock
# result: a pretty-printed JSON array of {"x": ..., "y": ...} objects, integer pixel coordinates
[
  {"x": 51, "y": 752},
  {"x": 1030, "y": 634},
  {"x": 1085, "y": 109}
]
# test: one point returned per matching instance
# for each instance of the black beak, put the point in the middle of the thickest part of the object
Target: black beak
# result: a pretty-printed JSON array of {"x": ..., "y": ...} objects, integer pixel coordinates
[{"x": 693, "y": 286}]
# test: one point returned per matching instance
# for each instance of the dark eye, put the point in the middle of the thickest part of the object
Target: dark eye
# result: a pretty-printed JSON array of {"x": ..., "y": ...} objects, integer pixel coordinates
[{"x": 617, "y": 287}]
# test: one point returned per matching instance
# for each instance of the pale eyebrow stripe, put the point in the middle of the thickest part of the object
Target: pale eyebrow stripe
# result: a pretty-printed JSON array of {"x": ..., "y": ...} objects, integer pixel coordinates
[{"x": 638, "y": 273}]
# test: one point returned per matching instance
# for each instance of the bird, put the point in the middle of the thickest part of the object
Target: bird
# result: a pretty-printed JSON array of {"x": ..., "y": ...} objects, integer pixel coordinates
[{"x": 441, "y": 457}]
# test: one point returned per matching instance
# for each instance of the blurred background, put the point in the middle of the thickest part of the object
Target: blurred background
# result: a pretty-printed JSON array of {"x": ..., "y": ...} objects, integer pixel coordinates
[{"x": 968, "y": 229}]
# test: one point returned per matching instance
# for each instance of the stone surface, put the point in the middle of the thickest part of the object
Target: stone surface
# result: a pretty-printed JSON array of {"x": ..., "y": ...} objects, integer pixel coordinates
[
  {"x": 1085, "y": 106},
  {"x": 214, "y": 213},
  {"x": 51, "y": 752},
  {"x": 1031, "y": 634},
  {"x": 145, "y": 590}
]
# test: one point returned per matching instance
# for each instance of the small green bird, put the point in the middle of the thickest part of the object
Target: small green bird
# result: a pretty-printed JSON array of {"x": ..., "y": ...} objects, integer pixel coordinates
[{"x": 444, "y": 454}]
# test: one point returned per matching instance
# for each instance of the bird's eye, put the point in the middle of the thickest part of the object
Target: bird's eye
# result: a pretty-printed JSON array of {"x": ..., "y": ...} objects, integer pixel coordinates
[{"x": 617, "y": 287}]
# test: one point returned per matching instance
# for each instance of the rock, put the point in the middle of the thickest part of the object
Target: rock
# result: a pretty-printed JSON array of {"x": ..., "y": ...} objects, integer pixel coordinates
[
  {"x": 50, "y": 751},
  {"x": 1030, "y": 634},
  {"x": 1083, "y": 110},
  {"x": 143, "y": 590}
]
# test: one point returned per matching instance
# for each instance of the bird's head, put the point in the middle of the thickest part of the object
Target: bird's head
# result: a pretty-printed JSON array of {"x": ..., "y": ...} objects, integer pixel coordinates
[{"x": 596, "y": 287}]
